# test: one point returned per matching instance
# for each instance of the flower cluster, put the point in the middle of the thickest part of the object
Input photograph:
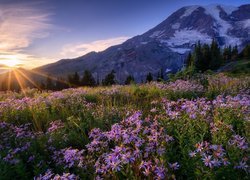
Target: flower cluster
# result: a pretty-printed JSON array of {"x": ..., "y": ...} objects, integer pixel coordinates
[
  {"x": 243, "y": 165},
  {"x": 240, "y": 101},
  {"x": 55, "y": 125},
  {"x": 193, "y": 108},
  {"x": 202, "y": 107},
  {"x": 69, "y": 158},
  {"x": 181, "y": 86},
  {"x": 212, "y": 155},
  {"x": 226, "y": 84},
  {"x": 239, "y": 142},
  {"x": 134, "y": 142},
  {"x": 49, "y": 175},
  {"x": 15, "y": 140}
]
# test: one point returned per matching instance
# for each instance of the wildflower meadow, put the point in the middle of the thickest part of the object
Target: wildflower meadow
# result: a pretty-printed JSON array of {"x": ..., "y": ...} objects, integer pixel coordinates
[{"x": 195, "y": 128}]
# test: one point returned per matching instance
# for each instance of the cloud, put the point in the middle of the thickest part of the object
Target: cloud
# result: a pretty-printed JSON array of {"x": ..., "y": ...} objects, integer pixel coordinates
[
  {"x": 76, "y": 50},
  {"x": 20, "y": 25}
]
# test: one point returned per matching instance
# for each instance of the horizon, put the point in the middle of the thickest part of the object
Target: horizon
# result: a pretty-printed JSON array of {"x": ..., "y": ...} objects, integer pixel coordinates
[{"x": 39, "y": 33}]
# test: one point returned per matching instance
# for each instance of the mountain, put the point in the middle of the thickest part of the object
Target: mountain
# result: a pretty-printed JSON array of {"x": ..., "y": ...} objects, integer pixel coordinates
[{"x": 164, "y": 46}]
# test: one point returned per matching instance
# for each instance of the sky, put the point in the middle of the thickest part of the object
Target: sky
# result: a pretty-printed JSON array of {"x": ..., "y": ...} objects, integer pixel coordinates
[{"x": 38, "y": 32}]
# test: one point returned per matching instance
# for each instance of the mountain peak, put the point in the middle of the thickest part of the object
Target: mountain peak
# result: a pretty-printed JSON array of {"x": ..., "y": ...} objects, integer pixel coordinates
[{"x": 166, "y": 45}]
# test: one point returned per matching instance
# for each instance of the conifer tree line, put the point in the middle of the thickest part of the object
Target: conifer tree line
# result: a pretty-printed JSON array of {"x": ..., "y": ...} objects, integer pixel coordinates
[
  {"x": 74, "y": 80},
  {"x": 205, "y": 56}
]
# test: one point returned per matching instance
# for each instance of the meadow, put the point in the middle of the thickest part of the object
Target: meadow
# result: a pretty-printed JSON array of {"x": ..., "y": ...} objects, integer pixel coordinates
[{"x": 195, "y": 128}]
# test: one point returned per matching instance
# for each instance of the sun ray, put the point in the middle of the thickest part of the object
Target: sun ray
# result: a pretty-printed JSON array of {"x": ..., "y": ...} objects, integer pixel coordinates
[
  {"x": 25, "y": 94},
  {"x": 19, "y": 82},
  {"x": 27, "y": 78},
  {"x": 9, "y": 81}
]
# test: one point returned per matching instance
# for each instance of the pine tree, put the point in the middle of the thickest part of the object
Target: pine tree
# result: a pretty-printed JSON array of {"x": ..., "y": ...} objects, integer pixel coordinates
[
  {"x": 160, "y": 76},
  {"x": 206, "y": 54},
  {"x": 246, "y": 52},
  {"x": 109, "y": 79},
  {"x": 198, "y": 59},
  {"x": 189, "y": 60},
  {"x": 216, "y": 59},
  {"x": 149, "y": 77},
  {"x": 61, "y": 84},
  {"x": 235, "y": 52},
  {"x": 74, "y": 79},
  {"x": 88, "y": 79},
  {"x": 130, "y": 79}
]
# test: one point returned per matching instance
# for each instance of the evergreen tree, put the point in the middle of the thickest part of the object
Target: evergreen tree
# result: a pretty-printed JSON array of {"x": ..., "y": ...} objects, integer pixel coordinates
[
  {"x": 149, "y": 77},
  {"x": 206, "y": 54},
  {"x": 160, "y": 76},
  {"x": 130, "y": 79},
  {"x": 246, "y": 52},
  {"x": 74, "y": 80},
  {"x": 189, "y": 60},
  {"x": 198, "y": 58},
  {"x": 227, "y": 54},
  {"x": 61, "y": 84},
  {"x": 88, "y": 79},
  {"x": 216, "y": 59},
  {"x": 109, "y": 79},
  {"x": 235, "y": 52}
]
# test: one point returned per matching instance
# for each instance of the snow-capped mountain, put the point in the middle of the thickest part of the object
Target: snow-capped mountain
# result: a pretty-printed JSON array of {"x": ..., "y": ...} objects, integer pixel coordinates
[
  {"x": 228, "y": 24},
  {"x": 166, "y": 45}
]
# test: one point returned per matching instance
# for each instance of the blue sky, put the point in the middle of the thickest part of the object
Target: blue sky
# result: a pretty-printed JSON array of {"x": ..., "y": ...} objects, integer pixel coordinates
[{"x": 37, "y": 32}]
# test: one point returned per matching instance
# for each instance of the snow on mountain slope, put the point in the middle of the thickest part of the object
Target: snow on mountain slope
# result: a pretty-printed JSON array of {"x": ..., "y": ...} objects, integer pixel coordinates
[
  {"x": 186, "y": 36},
  {"x": 222, "y": 25},
  {"x": 202, "y": 23},
  {"x": 189, "y": 11}
]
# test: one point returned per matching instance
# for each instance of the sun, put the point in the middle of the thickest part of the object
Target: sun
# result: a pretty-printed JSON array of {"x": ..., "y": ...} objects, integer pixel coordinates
[{"x": 11, "y": 62}]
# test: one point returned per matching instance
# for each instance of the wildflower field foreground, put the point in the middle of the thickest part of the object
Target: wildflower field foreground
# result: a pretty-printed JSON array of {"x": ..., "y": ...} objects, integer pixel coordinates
[{"x": 186, "y": 129}]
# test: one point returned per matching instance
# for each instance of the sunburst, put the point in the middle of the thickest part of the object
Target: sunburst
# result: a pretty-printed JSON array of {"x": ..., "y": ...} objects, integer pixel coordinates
[{"x": 10, "y": 61}]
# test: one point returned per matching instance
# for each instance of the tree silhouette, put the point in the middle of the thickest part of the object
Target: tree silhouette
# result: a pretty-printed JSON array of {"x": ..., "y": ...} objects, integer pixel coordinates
[
  {"x": 235, "y": 53},
  {"x": 109, "y": 79},
  {"x": 149, "y": 77},
  {"x": 74, "y": 80},
  {"x": 130, "y": 79},
  {"x": 88, "y": 79},
  {"x": 216, "y": 59}
]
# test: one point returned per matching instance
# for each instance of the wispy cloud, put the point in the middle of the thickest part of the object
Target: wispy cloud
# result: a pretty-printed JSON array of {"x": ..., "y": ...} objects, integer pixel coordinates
[
  {"x": 75, "y": 50},
  {"x": 20, "y": 25}
]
